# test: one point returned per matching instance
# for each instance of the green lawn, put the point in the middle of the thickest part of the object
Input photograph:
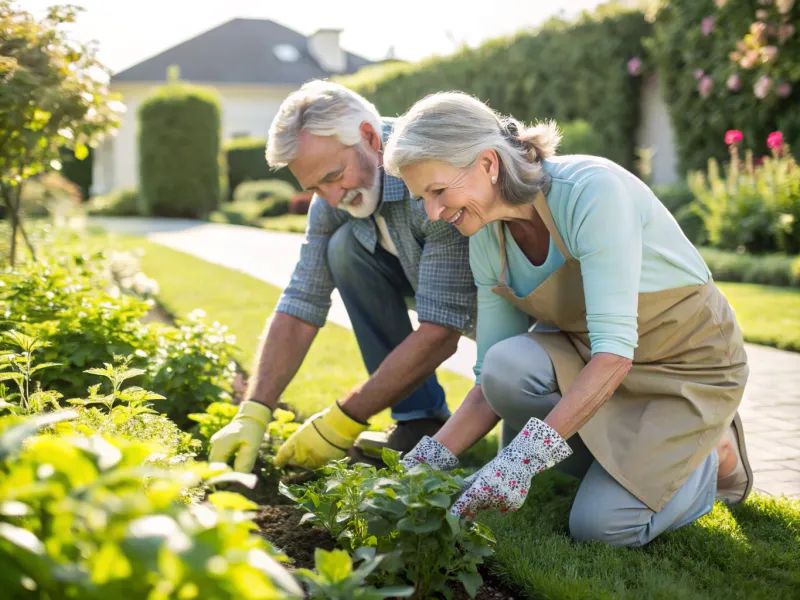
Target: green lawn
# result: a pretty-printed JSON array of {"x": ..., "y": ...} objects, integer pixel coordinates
[
  {"x": 768, "y": 315},
  {"x": 752, "y": 551},
  {"x": 286, "y": 223}
]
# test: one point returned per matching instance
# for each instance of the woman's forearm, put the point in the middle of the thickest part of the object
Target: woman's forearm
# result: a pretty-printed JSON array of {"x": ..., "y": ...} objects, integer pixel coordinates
[
  {"x": 473, "y": 420},
  {"x": 595, "y": 384}
]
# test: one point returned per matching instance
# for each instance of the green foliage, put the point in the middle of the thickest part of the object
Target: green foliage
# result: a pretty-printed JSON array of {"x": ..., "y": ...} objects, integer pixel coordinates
[
  {"x": 245, "y": 160},
  {"x": 76, "y": 306},
  {"x": 404, "y": 514},
  {"x": 127, "y": 202},
  {"x": 336, "y": 579},
  {"x": 564, "y": 71},
  {"x": 78, "y": 171},
  {"x": 49, "y": 193},
  {"x": 679, "y": 48},
  {"x": 254, "y": 201},
  {"x": 268, "y": 189},
  {"x": 51, "y": 98},
  {"x": 215, "y": 417},
  {"x": 179, "y": 150},
  {"x": 80, "y": 516},
  {"x": 755, "y": 207},
  {"x": 768, "y": 269},
  {"x": 578, "y": 137}
]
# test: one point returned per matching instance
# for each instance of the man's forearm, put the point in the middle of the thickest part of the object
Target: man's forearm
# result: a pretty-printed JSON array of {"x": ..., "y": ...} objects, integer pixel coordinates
[
  {"x": 471, "y": 422},
  {"x": 283, "y": 348},
  {"x": 405, "y": 369}
]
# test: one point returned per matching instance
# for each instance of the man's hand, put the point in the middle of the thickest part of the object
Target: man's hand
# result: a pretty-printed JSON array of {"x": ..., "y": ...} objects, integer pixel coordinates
[
  {"x": 242, "y": 436},
  {"x": 326, "y": 436}
]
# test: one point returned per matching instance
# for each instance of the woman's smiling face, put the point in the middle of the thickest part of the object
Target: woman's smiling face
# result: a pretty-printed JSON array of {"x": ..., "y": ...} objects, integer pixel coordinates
[{"x": 466, "y": 197}]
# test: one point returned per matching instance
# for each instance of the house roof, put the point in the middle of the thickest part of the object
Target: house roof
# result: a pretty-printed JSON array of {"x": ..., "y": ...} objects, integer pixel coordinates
[{"x": 238, "y": 51}]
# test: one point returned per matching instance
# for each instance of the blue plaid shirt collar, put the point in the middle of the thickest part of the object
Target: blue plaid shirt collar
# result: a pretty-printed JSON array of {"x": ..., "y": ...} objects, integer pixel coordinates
[{"x": 392, "y": 188}]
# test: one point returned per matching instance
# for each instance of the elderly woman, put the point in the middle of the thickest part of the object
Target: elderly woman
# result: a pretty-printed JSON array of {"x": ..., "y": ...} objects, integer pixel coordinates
[{"x": 631, "y": 377}]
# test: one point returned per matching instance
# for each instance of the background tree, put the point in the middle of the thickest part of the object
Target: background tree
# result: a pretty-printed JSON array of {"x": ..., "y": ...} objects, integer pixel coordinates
[{"x": 53, "y": 94}]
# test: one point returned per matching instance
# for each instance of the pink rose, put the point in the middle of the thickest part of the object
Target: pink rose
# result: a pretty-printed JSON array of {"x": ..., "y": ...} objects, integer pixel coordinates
[
  {"x": 707, "y": 25},
  {"x": 784, "y": 89},
  {"x": 769, "y": 53},
  {"x": 634, "y": 66},
  {"x": 775, "y": 140},
  {"x": 705, "y": 86},
  {"x": 733, "y": 136},
  {"x": 758, "y": 31},
  {"x": 734, "y": 82},
  {"x": 784, "y": 6},
  {"x": 762, "y": 87},
  {"x": 750, "y": 59},
  {"x": 785, "y": 32},
  {"x": 698, "y": 73}
]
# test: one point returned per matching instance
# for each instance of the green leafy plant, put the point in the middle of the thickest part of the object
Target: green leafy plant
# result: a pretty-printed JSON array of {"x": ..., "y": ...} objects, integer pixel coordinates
[
  {"x": 404, "y": 514},
  {"x": 335, "y": 578},
  {"x": 80, "y": 516},
  {"x": 19, "y": 367}
]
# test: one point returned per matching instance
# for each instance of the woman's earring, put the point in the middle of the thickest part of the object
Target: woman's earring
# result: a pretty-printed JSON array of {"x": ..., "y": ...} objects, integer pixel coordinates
[{"x": 494, "y": 179}]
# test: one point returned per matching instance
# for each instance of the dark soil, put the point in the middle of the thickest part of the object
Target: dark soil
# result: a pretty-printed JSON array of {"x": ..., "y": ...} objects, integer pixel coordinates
[{"x": 280, "y": 525}]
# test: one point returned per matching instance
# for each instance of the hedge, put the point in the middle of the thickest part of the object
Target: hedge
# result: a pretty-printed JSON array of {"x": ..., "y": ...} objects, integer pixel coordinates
[
  {"x": 564, "y": 71},
  {"x": 77, "y": 171},
  {"x": 683, "y": 53},
  {"x": 245, "y": 160},
  {"x": 179, "y": 151},
  {"x": 767, "y": 269}
]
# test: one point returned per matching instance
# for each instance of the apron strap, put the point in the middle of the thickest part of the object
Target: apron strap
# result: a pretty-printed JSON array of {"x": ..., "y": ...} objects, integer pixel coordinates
[
  {"x": 540, "y": 203},
  {"x": 502, "y": 239}
]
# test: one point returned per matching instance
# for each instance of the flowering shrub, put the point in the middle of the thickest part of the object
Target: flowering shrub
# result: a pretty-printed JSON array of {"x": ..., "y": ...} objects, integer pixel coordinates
[{"x": 755, "y": 204}]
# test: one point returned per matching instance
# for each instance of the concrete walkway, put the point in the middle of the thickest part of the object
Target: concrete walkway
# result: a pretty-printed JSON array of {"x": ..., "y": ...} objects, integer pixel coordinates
[{"x": 770, "y": 410}]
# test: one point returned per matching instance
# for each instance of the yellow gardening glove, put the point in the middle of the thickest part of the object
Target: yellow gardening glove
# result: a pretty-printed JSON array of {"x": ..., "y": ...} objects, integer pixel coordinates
[
  {"x": 242, "y": 436},
  {"x": 326, "y": 436}
]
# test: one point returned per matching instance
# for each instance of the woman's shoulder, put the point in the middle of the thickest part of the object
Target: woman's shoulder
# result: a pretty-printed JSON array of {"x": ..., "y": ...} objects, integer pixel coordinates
[{"x": 575, "y": 169}]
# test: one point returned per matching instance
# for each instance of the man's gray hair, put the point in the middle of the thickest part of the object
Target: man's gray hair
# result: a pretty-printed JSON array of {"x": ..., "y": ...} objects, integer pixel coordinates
[
  {"x": 322, "y": 108},
  {"x": 455, "y": 128}
]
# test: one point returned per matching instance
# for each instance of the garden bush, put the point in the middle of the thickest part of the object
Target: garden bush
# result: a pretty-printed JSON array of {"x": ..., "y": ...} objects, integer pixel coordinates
[
  {"x": 578, "y": 137},
  {"x": 254, "y": 200},
  {"x": 78, "y": 171},
  {"x": 563, "y": 71},
  {"x": 748, "y": 205},
  {"x": 49, "y": 193},
  {"x": 769, "y": 269},
  {"x": 179, "y": 151},
  {"x": 126, "y": 202},
  {"x": 726, "y": 65},
  {"x": 245, "y": 160}
]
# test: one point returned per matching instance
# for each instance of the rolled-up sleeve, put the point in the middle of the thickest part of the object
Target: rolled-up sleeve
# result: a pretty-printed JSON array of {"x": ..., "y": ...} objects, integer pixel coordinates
[
  {"x": 446, "y": 291},
  {"x": 606, "y": 234},
  {"x": 308, "y": 295}
]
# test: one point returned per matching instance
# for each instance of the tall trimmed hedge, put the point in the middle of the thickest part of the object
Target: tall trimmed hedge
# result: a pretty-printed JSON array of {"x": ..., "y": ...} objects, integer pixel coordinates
[
  {"x": 179, "y": 151},
  {"x": 245, "y": 161},
  {"x": 683, "y": 53},
  {"x": 565, "y": 71}
]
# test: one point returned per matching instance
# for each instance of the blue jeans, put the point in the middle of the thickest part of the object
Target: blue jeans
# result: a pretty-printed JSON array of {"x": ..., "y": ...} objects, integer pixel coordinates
[{"x": 373, "y": 288}]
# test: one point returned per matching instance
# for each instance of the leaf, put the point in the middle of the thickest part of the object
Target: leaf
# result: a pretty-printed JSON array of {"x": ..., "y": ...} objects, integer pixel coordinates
[
  {"x": 471, "y": 582},
  {"x": 17, "y": 377},
  {"x": 335, "y": 565},
  {"x": 41, "y": 366},
  {"x": 13, "y": 438},
  {"x": 258, "y": 559},
  {"x": 13, "y": 508},
  {"x": 107, "y": 454},
  {"x": 248, "y": 480},
  {"x": 441, "y": 500},
  {"x": 8, "y": 406},
  {"x": 454, "y": 521},
  {"x": 231, "y": 501},
  {"x": 390, "y": 457},
  {"x": 22, "y": 538},
  {"x": 308, "y": 517},
  {"x": 81, "y": 151},
  {"x": 395, "y": 591}
]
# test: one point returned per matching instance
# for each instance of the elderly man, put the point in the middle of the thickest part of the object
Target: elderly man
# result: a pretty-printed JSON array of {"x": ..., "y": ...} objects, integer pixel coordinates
[{"x": 370, "y": 240}]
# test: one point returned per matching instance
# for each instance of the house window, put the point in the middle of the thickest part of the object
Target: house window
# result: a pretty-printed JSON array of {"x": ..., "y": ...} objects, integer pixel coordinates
[{"x": 286, "y": 53}]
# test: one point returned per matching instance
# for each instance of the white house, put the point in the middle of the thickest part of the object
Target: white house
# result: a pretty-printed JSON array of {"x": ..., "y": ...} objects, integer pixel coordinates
[{"x": 253, "y": 64}]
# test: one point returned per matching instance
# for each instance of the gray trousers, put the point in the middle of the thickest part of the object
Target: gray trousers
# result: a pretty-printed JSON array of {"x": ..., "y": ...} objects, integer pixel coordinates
[{"x": 519, "y": 382}]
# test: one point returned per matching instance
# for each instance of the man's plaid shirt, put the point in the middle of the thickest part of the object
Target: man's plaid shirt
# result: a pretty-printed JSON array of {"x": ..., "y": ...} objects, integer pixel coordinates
[{"x": 434, "y": 256}]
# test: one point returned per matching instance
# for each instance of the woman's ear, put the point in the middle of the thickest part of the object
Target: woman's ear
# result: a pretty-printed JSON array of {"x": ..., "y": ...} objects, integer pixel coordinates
[
  {"x": 369, "y": 135},
  {"x": 489, "y": 162}
]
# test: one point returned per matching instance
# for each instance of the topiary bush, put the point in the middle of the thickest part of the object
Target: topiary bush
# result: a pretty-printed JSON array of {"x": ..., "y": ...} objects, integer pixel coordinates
[
  {"x": 564, "y": 71},
  {"x": 727, "y": 65},
  {"x": 179, "y": 146},
  {"x": 245, "y": 160}
]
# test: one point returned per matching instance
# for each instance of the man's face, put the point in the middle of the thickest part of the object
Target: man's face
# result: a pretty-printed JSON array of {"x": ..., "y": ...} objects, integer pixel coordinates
[{"x": 347, "y": 177}]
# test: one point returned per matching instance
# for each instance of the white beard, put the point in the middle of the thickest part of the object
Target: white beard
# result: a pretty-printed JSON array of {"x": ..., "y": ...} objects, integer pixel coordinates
[{"x": 369, "y": 199}]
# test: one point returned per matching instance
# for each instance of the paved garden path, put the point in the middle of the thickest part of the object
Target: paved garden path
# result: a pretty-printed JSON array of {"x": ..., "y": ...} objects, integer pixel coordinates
[{"x": 770, "y": 410}]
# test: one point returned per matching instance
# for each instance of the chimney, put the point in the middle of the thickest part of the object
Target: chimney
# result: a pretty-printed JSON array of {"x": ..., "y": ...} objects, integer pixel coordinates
[{"x": 325, "y": 49}]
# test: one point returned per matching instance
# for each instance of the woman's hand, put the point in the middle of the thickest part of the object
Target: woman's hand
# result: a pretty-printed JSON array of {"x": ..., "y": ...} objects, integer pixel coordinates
[
  {"x": 432, "y": 453},
  {"x": 504, "y": 482}
]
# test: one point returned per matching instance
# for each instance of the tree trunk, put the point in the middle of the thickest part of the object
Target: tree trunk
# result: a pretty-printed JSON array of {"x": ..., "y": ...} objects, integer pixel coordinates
[{"x": 16, "y": 221}]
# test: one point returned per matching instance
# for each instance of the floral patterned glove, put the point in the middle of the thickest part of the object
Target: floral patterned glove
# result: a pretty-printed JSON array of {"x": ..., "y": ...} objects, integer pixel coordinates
[
  {"x": 432, "y": 453},
  {"x": 504, "y": 482}
]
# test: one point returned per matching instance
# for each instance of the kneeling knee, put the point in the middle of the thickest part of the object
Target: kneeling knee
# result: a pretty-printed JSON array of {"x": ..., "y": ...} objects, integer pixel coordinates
[{"x": 593, "y": 526}]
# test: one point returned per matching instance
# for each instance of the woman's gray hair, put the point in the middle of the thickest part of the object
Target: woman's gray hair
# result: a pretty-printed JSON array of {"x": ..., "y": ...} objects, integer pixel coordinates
[
  {"x": 322, "y": 108},
  {"x": 455, "y": 128}
]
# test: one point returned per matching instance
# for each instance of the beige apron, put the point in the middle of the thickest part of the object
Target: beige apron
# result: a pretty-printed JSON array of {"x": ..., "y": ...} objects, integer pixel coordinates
[{"x": 686, "y": 382}]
